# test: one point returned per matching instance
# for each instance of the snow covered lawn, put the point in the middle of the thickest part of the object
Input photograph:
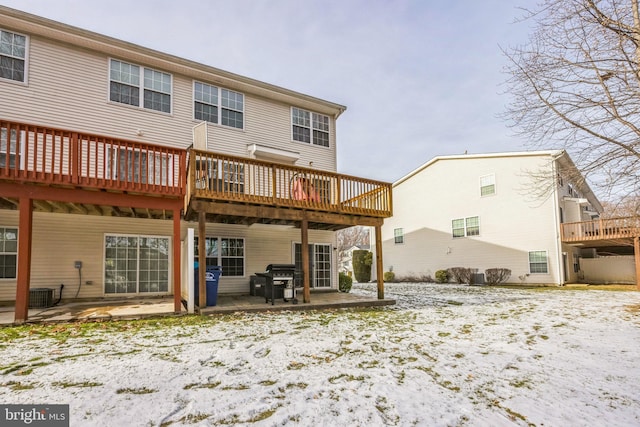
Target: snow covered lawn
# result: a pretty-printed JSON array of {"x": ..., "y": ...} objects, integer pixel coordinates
[{"x": 445, "y": 355}]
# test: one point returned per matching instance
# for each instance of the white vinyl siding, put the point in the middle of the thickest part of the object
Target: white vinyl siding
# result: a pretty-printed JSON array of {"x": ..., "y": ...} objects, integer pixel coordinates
[
  {"x": 13, "y": 56},
  {"x": 503, "y": 241},
  {"x": 265, "y": 120}
]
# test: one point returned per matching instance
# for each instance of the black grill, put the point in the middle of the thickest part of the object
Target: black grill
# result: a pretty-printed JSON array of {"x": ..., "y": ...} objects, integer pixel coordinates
[{"x": 279, "y": 276}]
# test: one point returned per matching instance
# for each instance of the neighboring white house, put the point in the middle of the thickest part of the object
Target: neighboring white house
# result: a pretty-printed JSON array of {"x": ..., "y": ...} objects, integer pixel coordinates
[{"x": 482, "y": 211}]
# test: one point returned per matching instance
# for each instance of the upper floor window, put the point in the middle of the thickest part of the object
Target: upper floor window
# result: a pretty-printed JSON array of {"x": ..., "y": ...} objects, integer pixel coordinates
[
  {"x": 13, "y": 56},
  {"x": 8, "y": 252},
  {"x": 216, "y": 105},
  {"x": 462, "y": 227},
  {"x": 398, "y": 235},
  {"x": 487, "y": 185},
  {"x": 310, "y": 127},
  {"x": 538, "y": 262},
  {"x": 126, "y": 81}
]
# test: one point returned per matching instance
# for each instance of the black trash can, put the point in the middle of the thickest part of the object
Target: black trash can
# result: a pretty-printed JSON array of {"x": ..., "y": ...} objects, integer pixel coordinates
[{"x": 212, "y": 277}]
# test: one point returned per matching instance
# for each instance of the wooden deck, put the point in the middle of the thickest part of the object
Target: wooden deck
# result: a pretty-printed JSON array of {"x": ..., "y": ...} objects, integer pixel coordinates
[
  {"x": 246, "y": 191},
  {"x": 602, "y": 231}
]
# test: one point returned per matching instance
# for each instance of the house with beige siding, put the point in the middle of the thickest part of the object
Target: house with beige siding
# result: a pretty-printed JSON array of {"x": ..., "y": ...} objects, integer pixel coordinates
[
  {"x": 481, "y": 211},
  {"x": 111, "y": 152}
]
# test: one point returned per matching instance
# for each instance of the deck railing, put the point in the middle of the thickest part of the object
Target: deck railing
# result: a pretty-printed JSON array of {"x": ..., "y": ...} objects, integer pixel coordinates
[
  {"x": 221, "y": 177},
  {"x": 604, "y": 228},
  {"x": 60, "y": 157}
]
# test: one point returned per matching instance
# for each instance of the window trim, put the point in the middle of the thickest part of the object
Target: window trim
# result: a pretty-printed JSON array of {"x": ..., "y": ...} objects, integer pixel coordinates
[
  {"x": 137, "y": 236},
  {"x": 492, "y": 183},
  {"x": 546, "y": 255},
  {"x": 464, "y": 227},
  {"x": 219, "y": 255},
  {"x": 3, "y": 230},
  {"x": 311, "y": 127},
  {"x": 27, "y": 42},
  {"x": 218, "y": 105},
  {"x": 141, "y": 87},
  {"x": 398, "y": 236}
]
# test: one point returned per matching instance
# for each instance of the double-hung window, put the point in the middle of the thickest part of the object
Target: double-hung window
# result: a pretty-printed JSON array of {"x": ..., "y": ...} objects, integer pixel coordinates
[
  {"x": 538, "y": 262},
  {"x": 13, "y": 56},
  {"x": 227, "y": 252},
  {"x": 8, "y": 147},
  {"x": 487, "y": 185},
  {"x": 310, "y": 127},
  {"x": 8, "y": 252},
  {"x": 217, "y": 105},
  {"x": 462, "y": 227},
  {"x": 126, "y": 81},
  {"x": 398, "y": 235}
]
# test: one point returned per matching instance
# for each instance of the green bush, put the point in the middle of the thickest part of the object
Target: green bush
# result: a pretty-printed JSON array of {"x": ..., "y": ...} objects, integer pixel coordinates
[
  {"x": 344, "y": 282},
  {"x": 442, "y": 276},
  {"x": 362, "y": 261},
  {"x": 389, "y": 276}
]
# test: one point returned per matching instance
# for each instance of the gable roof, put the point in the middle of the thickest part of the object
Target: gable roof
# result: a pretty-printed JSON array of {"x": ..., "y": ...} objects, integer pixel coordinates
[
  {"x": 560, "y": 155},
  {"x": 35, "y": 25}
]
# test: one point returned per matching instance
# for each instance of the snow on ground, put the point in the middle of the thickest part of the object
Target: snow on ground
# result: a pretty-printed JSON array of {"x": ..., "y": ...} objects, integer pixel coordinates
[{"x": 445, "y": 355}]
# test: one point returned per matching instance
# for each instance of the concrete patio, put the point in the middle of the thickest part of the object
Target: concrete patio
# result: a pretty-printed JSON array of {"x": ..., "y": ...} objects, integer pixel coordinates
[{"x": 138, "y": 308}]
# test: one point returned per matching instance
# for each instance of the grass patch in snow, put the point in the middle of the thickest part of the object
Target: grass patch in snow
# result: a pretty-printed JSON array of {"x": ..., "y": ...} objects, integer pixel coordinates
[
  {"x": 140, "y": 390},
  {"x": 71, "y": 384},
  {"x": 17, "y": 386}
]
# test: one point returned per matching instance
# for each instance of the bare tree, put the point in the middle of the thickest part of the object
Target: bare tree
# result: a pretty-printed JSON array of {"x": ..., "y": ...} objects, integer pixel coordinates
[{"x": 576, "y": 85}]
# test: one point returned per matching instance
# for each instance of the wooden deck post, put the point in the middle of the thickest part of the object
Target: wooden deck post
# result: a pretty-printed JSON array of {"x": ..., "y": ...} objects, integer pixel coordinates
[
  {"x": 636, "y": 253},
  {"x": 379, "y": 272},
  {"x": 177, "y": 256},
  {"x": 304, "y": 240},
  {"x": 202, "y": 259},
  {"x": 24, "y": 259}
]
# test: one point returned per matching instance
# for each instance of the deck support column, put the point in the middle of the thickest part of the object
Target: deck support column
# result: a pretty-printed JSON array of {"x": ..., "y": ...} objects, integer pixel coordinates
[
  {"x": 202, "y": 259},
  {"x": 25, "y": 224},
  {"x": 304, "y": 240},
  {"x": 379, "y": 272},
  {"x": 636, "y": 253},
  {"x": 177, "y": 256}
]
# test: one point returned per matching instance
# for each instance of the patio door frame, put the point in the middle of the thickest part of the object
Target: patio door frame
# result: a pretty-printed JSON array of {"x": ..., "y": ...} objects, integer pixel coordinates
[{"x": 318, "y": 253}]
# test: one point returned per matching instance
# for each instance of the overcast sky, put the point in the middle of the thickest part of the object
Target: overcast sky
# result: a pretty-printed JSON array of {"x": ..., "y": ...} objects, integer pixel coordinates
[{"x": 419, "y": 78}]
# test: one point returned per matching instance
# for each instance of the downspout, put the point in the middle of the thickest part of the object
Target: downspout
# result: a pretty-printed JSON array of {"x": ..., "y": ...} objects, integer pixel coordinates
[{"x": 556, "y": 223}]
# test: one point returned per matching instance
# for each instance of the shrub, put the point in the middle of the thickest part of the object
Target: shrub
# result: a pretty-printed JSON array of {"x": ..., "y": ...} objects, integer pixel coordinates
[
  {"x": 442, "y": 276},
  {"x": 493, "y": 276},
  {"x": 344, "y": 282},
  {"x": 362, "y": 261},
  {"x": 415, "y": 278},
  {"x": 462, "y": 274},
  {"x": 389, "y": 276}
]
